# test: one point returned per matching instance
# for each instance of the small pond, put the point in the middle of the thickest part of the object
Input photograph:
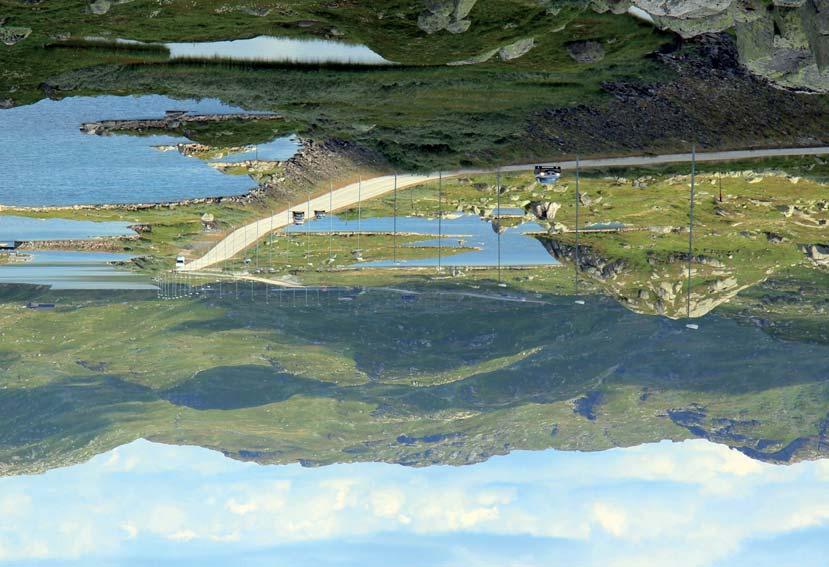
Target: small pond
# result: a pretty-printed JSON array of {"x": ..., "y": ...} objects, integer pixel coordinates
[
  {"x": 32, "y": 229},
  {"x": 467, "y": 230},
  {"x": 279, "y": 49}
]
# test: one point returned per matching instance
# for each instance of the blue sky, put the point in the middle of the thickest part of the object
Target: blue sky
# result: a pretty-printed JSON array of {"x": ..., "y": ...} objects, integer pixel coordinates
[{"x": 679, "y": 504}]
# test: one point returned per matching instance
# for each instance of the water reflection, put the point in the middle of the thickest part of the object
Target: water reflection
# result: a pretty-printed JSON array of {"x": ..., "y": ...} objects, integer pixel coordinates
[
  {"x": 455, "y": 377},
  {"x": 72, "y": 270},
  {"x": 278, "y": 49},
  {"x": 687, "y": 504}
]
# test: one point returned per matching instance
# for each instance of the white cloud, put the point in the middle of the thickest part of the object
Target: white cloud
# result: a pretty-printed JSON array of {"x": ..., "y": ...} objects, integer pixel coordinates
[
  {"x": 611, "y": 518},
  {"x": 387, "y": 503},
  {"x": 241, "y": 508}
]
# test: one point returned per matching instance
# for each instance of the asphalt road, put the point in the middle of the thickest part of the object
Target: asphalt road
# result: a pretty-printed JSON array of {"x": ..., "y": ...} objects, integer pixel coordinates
[{"x": 347, "y": 196}]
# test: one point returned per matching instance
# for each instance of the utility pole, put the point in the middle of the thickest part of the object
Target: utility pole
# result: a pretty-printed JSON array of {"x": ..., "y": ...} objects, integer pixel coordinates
[
  {"x": 578, "y": 201},
  {"x": 394, "y": 238},
  {"x": 330, "y": 224},
  {"x": 498, "y": 218},
  {"x": 440, "y": 220},
  {"x": 308, "y": 229},
  {"x": 691, "y": 231},
  {"x": 359, "y": 211}
]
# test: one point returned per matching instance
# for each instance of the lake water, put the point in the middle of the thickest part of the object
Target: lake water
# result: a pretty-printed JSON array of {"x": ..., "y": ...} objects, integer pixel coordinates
[
  {"x": 48, "y": 161},
  {"x": 277, "y": 150},
  {"x": 685, "y": 504},
  {"x": 73, "y": 270},
  {"x": 517, "y": 249},
  {"x": 25, "y": 228},
  {"x": 265, "y": 48}
]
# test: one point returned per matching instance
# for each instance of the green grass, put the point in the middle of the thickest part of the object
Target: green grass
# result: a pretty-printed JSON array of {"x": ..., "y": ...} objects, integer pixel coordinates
[
  {"x": 418, "y": 114},
  {"x": 332, "y": 381}
]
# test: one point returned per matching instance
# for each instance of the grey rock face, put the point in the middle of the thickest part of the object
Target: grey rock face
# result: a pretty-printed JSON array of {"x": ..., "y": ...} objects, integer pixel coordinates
[
  {"x": 9, "y": 35},
  {"x": 786, "y": 41},
  {"x": 448, "y": 15},
  {"x": 517, "y": 49}
]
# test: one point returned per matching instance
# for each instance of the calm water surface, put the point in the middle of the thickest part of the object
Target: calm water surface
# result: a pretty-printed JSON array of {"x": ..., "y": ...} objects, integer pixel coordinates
[
  {"x": 48, "y": 161},
  {"x": 73, "y": 270},
  {"x": 517, "y": 249},
  {"x": 25, "y": 228}
]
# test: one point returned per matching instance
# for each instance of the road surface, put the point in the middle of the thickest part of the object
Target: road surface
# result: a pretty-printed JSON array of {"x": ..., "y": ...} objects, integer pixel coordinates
[{"x": 347, "y": 196}]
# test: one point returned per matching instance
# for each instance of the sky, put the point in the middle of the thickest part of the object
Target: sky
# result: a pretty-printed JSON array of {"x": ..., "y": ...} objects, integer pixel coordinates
[{"x": 681, "y": 504}]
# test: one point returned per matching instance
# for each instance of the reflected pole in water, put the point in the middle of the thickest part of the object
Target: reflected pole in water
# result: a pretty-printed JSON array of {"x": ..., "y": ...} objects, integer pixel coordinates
[
  {"x": 394, "y": 237},
  {"x": 330, "y": 224},
  {"x": 498, "y": 218},
  {"x": 691, "y": 234},
  {"x": 440, "y": 220}
]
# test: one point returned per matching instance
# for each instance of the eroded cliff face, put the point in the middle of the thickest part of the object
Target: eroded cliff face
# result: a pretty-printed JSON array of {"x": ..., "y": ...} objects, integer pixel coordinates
[{"x": 786, "y": 41}]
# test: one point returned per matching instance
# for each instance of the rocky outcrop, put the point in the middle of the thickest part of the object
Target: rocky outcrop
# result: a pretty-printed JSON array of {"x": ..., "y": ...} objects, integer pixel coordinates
[
  {"x": 585, "y": 51},
  {"x": 506, "y": 53},
  {"x": 10, "y": 35},
  {"x": 817, "y": 253},
  {"x": 516, "y": 49},
  {"x": 589, "y": 261},
  {"x": 173, "y": 120},
  {"x": 446, "y": 15},
  {"x": 786, "y": 41},
  {"x": 544, "y": 210},
  {"x": 101, "y": 7}
]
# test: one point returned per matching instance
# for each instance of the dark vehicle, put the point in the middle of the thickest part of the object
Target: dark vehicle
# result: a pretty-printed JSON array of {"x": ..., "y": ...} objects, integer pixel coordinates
[{"x": 299, "y": 217}]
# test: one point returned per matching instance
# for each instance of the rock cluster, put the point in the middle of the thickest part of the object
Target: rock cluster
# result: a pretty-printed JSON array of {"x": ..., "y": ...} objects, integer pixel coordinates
[
  {"x": 9, "y": 35},
  {"x": 585, "y": 51},
  {"x": 786, "y": 41},
  {"x": 101, "y": 7},
  {"x": 449, "y": 15}
]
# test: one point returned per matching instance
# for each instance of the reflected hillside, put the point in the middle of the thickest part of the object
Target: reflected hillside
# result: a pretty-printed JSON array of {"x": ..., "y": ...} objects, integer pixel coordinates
[{"x": 442, "y": 377}]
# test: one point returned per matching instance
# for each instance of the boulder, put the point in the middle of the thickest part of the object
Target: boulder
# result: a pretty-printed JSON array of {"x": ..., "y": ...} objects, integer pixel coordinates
[
  {"x": 9, "y": 35},
  {"x": 516, "y": 49},
  {"x": 448, "y": 15},
  {"x": 585, "y": 51}
]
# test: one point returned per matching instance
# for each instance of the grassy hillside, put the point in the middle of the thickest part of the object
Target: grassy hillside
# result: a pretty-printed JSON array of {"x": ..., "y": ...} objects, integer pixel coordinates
[{"x": 446, "y": 379}]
